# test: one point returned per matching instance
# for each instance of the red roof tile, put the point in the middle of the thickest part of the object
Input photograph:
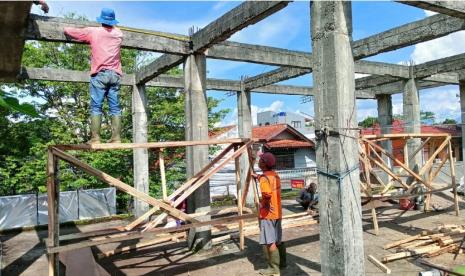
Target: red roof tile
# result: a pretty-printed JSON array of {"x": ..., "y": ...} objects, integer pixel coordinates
[
  {"x": 268, "y": 132},
  {"x": 398, "y": 127},
  {"x": 212, "y": 134}
]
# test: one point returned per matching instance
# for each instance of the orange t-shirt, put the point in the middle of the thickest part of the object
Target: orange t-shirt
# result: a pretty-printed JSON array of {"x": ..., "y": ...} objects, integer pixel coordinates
[{"x": 270, "y": 187}]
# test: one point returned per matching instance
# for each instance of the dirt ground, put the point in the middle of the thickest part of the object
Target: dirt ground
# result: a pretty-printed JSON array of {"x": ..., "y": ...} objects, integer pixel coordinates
[{"x": 24, "y": 253}]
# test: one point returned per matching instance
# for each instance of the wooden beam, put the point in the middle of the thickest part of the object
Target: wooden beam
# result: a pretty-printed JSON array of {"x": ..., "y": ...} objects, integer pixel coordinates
[
  {"x": 379, "y": 264},
  {"x": 451, "y": 8},
  {"x": 245, "y": 14},
  {"x": 150, "y": 145}
]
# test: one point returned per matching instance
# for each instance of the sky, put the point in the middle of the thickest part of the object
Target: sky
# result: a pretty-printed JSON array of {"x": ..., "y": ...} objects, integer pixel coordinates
[{"x": 288, "y": 28}]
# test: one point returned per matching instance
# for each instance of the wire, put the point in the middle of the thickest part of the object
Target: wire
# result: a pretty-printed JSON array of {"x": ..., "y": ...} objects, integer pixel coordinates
[{"x": 161, "y": 34}]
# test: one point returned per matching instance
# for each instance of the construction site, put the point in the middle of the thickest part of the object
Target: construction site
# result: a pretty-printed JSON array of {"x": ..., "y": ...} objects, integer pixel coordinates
[{"x": 362, "y": 178}]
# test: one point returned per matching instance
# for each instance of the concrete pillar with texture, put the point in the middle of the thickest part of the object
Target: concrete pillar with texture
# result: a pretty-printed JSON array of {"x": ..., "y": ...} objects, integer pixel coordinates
[
  {"x": 196, "y": 113},
  {"x": 141, "y": 157},
  {"x": 411, "y": 110},
  {"x": 244, "y": 125},
  {"x": 385, "y": 120},
  {"x": 336, "y": 148}
]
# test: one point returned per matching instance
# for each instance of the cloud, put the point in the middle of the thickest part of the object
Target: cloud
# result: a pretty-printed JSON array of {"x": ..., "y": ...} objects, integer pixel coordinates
[{"x": 443, "y": 101}]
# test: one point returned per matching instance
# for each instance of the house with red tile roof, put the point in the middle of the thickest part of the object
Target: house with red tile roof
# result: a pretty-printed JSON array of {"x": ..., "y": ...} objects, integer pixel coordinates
[
  {"x": 398, "y": 126},
  {"x": 291, "y": 148}
]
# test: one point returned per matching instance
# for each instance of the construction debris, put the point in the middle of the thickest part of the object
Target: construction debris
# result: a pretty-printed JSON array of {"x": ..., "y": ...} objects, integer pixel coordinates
[{"x": 443, "y": 239}]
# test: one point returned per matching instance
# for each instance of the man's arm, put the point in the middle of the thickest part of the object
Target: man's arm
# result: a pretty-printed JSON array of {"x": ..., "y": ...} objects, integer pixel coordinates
[
  {"x": 266, "y": 192},
  {"x": 79, "y": 34}
]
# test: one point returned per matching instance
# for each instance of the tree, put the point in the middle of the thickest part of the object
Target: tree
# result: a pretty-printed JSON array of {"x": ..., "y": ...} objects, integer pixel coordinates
[
  {"x": 65, "y": 107},
  {"x": 368, "y": 122},
  {"x": 449, "y": 121},
  {"x": 427, "y": 117}
]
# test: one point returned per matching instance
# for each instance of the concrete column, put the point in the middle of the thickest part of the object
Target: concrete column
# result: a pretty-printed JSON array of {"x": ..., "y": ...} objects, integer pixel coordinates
[
  {"x": 244, "y": 125},
  {"x": 336, "y": 155},
  {"x": 412, "y": 122},
  {"x": 197, "y": 156},
  {"x": 385, "y": 120},
  {"x": 462, "y": 116},
  {"x": 141, "y": 156}
]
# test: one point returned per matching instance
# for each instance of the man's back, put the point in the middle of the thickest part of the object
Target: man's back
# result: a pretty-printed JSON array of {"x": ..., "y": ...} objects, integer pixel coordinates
[{"x": 105, "y": 43}]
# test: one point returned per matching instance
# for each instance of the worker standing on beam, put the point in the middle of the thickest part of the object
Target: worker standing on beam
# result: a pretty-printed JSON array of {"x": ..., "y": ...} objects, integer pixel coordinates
[
  {"x": 105, "y": 43},
  {"x": 270, "y": 216}
]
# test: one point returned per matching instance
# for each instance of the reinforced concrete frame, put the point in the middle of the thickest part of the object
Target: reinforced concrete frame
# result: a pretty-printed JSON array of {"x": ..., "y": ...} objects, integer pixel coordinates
[{"x": 211, "y": 42}]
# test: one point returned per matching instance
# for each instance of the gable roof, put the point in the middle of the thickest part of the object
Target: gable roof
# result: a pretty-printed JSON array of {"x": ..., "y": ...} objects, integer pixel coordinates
[{"x": 269, "y": 133}]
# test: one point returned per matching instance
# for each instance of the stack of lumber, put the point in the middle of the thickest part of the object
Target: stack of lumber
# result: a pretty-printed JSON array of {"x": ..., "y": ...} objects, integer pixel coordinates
[
  {"x": 431, "y": 243},
  {"x": 227, "y": 231}
]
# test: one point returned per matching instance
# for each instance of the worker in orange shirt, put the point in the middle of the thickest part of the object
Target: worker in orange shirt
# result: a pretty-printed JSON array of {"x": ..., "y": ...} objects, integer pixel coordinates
[{"x": 270, "y": 216}]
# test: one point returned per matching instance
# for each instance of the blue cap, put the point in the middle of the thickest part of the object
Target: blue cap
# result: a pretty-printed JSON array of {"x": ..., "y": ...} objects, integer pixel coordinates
[{"x": 107, "y": 17}]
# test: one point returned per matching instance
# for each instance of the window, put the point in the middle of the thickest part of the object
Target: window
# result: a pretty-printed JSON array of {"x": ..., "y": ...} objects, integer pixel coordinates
[{"x": 296, "y": 124}]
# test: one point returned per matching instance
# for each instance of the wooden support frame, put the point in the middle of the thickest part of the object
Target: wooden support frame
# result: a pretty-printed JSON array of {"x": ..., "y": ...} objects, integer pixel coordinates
[
  {"x": 167, "y": 204},
  {"x": 372, "y": 153}
]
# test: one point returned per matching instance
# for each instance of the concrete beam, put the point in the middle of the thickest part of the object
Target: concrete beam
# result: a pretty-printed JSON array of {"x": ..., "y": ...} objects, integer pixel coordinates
[
  {"x": 406, "y": 35},
  {"x": 451, "y": 8},
  {"x": 462, "y": 115},
  {"x": 443, "y": 65},
  {"x": 373, "y": 81},
  {"x": 235, "y": 51},
  {"x": 274, "y": 76},
  {"x": 157, "y": 67},
  {"x": 13, "y": 20},
  {"x": 381, "y": 69},
  {"x": 53, "y": 74},
  {"x": 51, "y": 29},
  {"x": 245, "y": 14},
  {"x": 219, "y": 30}
]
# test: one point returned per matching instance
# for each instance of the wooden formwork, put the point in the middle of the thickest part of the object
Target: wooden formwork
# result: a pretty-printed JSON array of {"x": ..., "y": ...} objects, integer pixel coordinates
[
  {"x": 373, "y": 155},
  {"x": 167, "y": 204}
]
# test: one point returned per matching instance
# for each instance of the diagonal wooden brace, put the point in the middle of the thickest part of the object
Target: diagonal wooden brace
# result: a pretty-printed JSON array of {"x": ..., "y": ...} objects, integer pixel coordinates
[
  {"x": 179, "y": 190},
  {"x": 199, "y": 183},
  {"x": 120, "y": 185}
]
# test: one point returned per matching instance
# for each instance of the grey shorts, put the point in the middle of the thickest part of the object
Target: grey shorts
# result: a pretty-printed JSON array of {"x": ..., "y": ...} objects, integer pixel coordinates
[{"x": 270, "y": 231}]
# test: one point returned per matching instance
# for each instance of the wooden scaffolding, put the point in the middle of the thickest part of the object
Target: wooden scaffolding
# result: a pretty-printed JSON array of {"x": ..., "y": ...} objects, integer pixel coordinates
[
  {"x": 419, "y": 181},
  {"x": 235, "y": 148}
]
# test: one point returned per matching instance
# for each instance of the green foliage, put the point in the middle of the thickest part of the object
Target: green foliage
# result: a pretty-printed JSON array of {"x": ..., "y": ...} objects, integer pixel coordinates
[
  {"x": 427, "y": 117},
  {"x": 368, "y": 122},
  {"x": 64, "y": 110},
  {"x": 449, "y": 121}
]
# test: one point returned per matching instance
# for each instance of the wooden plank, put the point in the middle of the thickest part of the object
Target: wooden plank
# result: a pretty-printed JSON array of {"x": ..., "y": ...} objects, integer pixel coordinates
[
  {"x": 397, "y": 243},
  {"x": 388, "y": 171},
  {"x": 379, "y": 264},
  {"x": 433, "y": 156},
  {"x": 108, "y": 146},
  {"x": 53, "y": 201},
  {"x": 151, "y": 233},
  {"x": 122, "y": 186},
  {"x": 454, "y": 184},
  {"x": 161, "y": 160},
  {"x": 239, "y": 200}
]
